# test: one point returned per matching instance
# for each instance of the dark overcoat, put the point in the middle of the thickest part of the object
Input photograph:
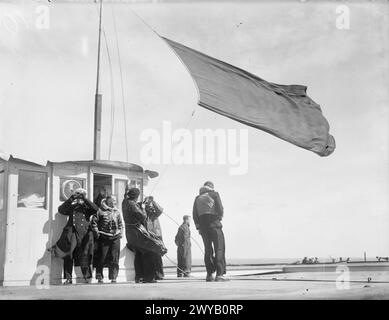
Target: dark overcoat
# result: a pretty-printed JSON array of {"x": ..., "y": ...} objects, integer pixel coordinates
[
  {"x": 76, "y": 239},
  {"x": 184, "y": 251},
  {"x": 138, "y": 237}
]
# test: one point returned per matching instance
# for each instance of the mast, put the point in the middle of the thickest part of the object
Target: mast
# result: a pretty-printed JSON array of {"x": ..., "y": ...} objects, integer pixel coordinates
[{"x": 98, "y": 99}]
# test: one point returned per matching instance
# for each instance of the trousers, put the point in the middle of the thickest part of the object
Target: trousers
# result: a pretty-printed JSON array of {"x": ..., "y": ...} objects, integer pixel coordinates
[
  {"x": 108, "y": 248},
  {"x": 214, "y": 247},
  {"x": 145, "y": 266},
  {"x": 68, "y": 269}
]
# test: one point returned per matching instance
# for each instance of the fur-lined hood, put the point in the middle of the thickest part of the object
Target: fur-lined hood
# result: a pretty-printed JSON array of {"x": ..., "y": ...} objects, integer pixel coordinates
[{"x": 105, "y": 207}]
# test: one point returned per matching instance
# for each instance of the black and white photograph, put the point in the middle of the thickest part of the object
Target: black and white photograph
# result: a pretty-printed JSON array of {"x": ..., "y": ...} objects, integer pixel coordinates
[{"x": 188, "y": 150}]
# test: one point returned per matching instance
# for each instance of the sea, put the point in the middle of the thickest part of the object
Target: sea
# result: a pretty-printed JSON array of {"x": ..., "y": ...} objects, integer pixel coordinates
[{"x": 171, "y": 261}]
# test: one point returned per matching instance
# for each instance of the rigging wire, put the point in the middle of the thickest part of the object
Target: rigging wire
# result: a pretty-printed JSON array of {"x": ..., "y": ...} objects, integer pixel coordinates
[
  {"x": 186, "y": 127},
  {"x": 160, "y": 178},
  {"x": 174, "y": 263},
  {"x": 112, "y": 89},
  {"x": 166, "y": 167},
  {"x": 124, "y": 111},
  {"x": 112, "y": 97},
  {"x": 194, "y": 110},
  {"x": 122, "y": 88},
  {"x": 195, "y": 241},
  {"x": 144, "y": 22}
]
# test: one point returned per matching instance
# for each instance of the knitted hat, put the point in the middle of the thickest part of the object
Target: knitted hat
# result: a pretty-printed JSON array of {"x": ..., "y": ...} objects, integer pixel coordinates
[{"x": 209, "y": 184}]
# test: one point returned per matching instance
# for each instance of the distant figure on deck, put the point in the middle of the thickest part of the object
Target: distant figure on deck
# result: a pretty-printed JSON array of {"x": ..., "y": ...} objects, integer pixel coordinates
[
  {"x": 207, "y": 216},
  {"x": 76, "y": 241},
  {"x": 184, "y": 253}
]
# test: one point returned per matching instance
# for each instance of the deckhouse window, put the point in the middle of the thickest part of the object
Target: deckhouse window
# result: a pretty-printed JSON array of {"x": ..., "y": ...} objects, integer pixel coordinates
[
  {"x": 120, "y": 189},
  {"x": 32, "y": 189}
]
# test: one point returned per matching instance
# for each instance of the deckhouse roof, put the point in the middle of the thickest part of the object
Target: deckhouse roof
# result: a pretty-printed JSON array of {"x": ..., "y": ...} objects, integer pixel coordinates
[{"x": 98, "y": 163}]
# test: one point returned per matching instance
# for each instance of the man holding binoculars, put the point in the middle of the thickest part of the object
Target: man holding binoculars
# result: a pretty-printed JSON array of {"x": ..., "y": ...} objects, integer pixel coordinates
[{"x": 75, "y": 245}]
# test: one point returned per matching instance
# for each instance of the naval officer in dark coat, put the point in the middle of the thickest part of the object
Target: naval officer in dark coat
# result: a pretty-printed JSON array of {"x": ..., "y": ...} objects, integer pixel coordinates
[{"x": 76, "y": 242}]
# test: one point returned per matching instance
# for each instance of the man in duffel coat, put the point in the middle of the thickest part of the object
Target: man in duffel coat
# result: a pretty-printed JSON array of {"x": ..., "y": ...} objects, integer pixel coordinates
[
  {"x": 107, "y": 226},
  {"x": 207, "y": 216}
]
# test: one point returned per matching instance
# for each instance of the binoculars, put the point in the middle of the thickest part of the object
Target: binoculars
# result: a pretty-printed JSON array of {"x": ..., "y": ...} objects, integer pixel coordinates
[{"x": 78, "y": 196}]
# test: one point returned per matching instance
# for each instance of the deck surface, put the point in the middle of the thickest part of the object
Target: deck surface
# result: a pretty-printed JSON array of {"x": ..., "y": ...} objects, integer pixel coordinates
[{"x": 297, "y": 285}]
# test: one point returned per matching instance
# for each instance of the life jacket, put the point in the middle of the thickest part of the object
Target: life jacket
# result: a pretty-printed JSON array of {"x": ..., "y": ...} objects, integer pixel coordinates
[{"x": 109, "y": 219}]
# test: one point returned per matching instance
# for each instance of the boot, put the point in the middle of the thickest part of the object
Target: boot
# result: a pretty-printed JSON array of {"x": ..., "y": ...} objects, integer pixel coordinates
[
  {"x": 150, "y": 281},
  {"x": 209, "y": 278},
  {"x": 221, "y": 279}
]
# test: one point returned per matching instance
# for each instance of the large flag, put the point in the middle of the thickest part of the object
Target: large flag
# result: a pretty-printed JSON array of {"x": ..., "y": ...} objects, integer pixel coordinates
[{"x": 284, "y": 111}]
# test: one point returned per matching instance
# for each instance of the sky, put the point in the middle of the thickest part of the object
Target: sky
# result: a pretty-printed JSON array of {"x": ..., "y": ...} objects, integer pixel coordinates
[{"x": 290, "y": 203}]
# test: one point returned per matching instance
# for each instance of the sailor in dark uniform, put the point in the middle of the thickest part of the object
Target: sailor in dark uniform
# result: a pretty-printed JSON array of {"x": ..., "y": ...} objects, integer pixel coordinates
[{"x": 207, "y": 216}]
